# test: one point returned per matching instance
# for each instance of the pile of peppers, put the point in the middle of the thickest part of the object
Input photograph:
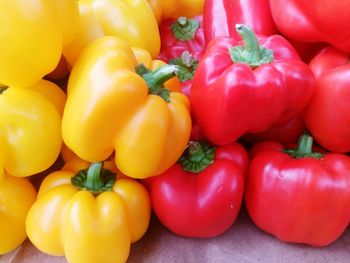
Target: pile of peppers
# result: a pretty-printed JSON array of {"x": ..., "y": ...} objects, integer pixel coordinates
[{"x": 113, "y": 110}]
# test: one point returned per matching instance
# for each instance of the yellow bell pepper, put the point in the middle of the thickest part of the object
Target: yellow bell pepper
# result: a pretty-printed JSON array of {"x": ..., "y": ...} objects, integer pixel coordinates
[
  {"x": 131, "y": 20},
  {"x": 111, "y": 108},
  {"x": 176, "y": 8},
  {"x": 32, "y": 36},
  {"x": 30, "y": 127},
  {"x": 89, "y": 216},
  {"x": 53, "y": 93},
  {"x": 16, "y": 197}
]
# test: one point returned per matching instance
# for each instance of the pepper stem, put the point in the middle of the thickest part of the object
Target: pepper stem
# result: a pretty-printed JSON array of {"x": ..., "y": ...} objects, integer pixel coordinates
[
  {"x": 184, "y": 28},
  {"x": 304, "y": 148},
  {"x": 251, "y": 43},
  {"x": 305, "y": 144},
  {"x": 251, "y": 52},
  {"x": 155, "y": 79},
  {"x": 161, "y": 75},
  {"x": 94, "y": 179},
  {"x": 197, "y": 157},
  {"x": 187, "y": 66}
]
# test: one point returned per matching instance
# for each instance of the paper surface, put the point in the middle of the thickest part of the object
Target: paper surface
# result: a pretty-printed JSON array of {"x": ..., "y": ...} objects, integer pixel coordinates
[{"x": 243, "y": 243}]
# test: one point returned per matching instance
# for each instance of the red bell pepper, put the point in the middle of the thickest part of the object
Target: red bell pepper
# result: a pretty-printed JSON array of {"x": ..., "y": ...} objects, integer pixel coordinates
[
  {"x": 314, "y": 21},
  {"x": 221, "y": 16},
  {"x": 285, "y": 133},
  {"x": 201, "y": 195},
  {"x": 179, "y": 35},
  {"x": 298, "y": 195},
  {"x": 182, "y": 45},
  {"x": 238, "y": 89},
  {"x": 327, "y": 116}
]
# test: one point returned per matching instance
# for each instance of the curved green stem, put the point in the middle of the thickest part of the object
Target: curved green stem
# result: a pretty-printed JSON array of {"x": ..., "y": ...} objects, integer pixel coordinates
[
  {"x": 155, "y": 79},
  {"x": 251, "y": 43},
  {"x": 251, "y": 52},
  {"x": 94, "y": 179},
  {"x": 162, "y": 74}
]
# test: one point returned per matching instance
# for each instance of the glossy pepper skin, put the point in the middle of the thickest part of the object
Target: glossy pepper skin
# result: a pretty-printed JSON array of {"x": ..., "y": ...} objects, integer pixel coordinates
[
  {"x": 297, "y": 195},
  {"x": 247, "y": 90},
  {"x": 175, "y": 8},
  {"x": 205, "y": 189},
  {"x": 16, "y": 197},
  {"x": 221, "y": 16},
  {"x": 95, "y": 224},
  {"x": 327, "y": 116},
  {"x": 117, "y": 110},
  {"x": 182, "y": 45},
  {"x": 132, "y": 21},
  {"x": 31, "y": 128},
  {"x": 314, "y": 21},
  {"x": 31, "y": 45}
]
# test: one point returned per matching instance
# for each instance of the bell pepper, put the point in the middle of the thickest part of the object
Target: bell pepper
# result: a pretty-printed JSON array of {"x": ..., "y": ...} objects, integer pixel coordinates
[
  {"x": 16, "y": 197},
  {"x": 314, "y": 21},
  {"x": 125, "y": 108},
  {"x": 326, "y": 116},
  {"x": 182, "y": 45},
  {"x": 205, "y": 189},
  {"x": 88, "y": 216},
  {"x": 180, "y": 35},
  {"x": 132, "y": 21},
  {"x": 251, "y": 87},
  {"x": 284, "y": 133},
  {"x": 299, "y": 195},
  {"x": 31, "y": 38},
  {"x": 175, "y": 8},
  {"x": 221, "y": 16},
  {"x": 31, "y": 128}
]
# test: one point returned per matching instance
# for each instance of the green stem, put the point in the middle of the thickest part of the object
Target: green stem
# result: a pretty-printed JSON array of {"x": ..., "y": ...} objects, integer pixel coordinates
[
  {"x": 155, "y": 79},
  {"x": 251, "y": 43},
  {"x": 94, "y": 179},
  {"x": 197, "y": 157},
  {"x": 251, "y": 52},
  {"x": 184, "y": 29},
  {"x": 305, "y": 144},
  {"x": 304, "y": 148},
  {"x": 187, "y": 66},
  {"x": 163, "y": 74}
]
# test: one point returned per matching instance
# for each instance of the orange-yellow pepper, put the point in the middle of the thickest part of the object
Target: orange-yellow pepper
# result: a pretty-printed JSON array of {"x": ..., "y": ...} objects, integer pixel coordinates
[
  {"x": 89, "y": 216},
  {"x": 16, "y": 197},
  {"x": 32, "y": 35},
  {"x": 131, "y": 20},
  {"x": 176, "y": 8},
  {"x": 30, "y": 128},
  {"x": 110, "y": 107}
]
